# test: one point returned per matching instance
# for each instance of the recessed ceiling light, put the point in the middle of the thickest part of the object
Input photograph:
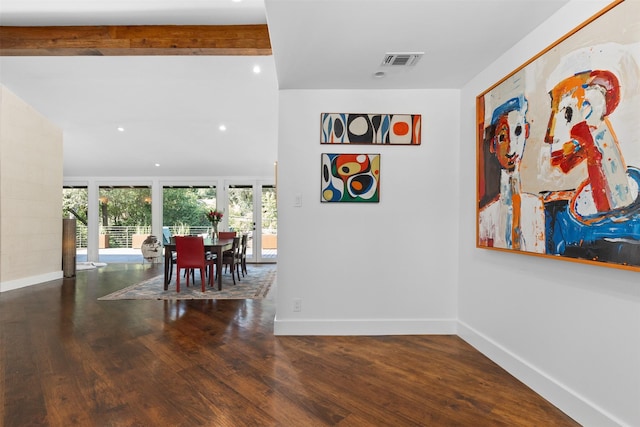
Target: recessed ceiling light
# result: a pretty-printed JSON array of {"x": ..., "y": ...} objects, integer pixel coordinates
[
  {"x": 222, "y": 128},
  {"x": 157, "y": 165},
  {"x": 120, "y": 129},
  {"x": 379, "y": 74},
  {"x": 256, "y": 69}
]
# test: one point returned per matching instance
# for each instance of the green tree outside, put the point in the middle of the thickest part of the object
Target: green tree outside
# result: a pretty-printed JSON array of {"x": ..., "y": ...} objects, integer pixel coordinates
[
  {"x": 74, "y": 204},
  {"x": 125, "y": 206},
  {"x": 187, "y": 206}
]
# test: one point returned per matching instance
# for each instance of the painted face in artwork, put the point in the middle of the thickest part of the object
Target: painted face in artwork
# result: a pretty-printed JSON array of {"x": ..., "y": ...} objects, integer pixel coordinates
[
  {"x": 568, "y": 131},
  {"x": 511, "y": 133},
  {"x": 578, "y": 107}
]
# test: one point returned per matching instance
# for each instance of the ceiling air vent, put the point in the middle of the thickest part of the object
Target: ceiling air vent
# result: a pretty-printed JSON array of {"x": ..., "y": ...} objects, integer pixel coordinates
[{"x": 402, "y": 59}]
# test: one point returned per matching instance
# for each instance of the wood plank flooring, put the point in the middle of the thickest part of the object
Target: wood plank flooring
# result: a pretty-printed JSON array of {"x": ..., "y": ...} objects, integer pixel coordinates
[{"x": 67, "y": 359}]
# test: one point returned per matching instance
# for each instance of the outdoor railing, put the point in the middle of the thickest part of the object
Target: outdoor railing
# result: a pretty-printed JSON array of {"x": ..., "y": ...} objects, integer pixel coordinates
[{"x": 115, "y": 236}]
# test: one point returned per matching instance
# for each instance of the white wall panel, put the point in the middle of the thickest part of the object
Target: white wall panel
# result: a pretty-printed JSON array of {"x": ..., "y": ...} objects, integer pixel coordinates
[{"x": 372, "y": 268}]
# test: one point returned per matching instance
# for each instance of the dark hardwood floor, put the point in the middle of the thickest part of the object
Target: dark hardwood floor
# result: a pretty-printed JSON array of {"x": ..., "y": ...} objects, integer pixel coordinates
[{"x": 67, "y": 359}]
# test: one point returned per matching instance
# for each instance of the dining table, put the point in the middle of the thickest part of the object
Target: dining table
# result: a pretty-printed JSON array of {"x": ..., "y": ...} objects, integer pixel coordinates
[{"x": 215, "y": 246}]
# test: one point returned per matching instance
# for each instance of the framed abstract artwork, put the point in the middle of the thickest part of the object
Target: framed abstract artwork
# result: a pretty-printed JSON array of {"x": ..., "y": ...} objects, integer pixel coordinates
[
  {"x": 389, "y": 129},
  {"x": 558, "y": 148},
  {"x": 350, "y": 178}
]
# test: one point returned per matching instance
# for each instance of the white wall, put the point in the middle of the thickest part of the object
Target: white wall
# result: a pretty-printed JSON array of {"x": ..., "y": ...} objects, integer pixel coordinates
[
  {"x": 570, "y": 331},
  {"x": 380, "y": 268},
  {"x": 30, "y": 196}
]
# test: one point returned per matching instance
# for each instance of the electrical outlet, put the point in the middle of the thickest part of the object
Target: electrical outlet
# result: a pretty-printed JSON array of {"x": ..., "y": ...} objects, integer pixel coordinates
[{"x": 297, "y": 304}]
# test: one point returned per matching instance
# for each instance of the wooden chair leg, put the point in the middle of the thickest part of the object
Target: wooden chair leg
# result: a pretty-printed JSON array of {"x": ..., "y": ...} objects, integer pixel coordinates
[
  {"x": 202, "y": 278},
  {"x": 211, "y": 275}
]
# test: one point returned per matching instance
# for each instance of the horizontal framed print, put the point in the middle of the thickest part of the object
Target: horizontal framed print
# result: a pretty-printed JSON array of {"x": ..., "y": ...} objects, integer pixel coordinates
[
  {"x": 389, "y": 129},
  {"x": 559, "y": 148},
  {"x": 350, "y": 178}
]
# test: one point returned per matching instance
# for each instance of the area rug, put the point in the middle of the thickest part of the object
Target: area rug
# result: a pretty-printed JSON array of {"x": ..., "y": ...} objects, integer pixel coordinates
[{"x": 256, "y": 284}]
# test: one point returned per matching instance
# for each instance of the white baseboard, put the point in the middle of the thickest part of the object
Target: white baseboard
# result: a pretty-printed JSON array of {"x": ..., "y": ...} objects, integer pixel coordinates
[
  {"x": 23, "y": 282},
  {"x": 365, "y": 327},
  {"x": 565, "y": 399}
]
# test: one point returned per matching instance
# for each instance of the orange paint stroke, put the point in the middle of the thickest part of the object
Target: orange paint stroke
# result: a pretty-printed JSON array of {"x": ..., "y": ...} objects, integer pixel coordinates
[{"x": 401, "y": 128}]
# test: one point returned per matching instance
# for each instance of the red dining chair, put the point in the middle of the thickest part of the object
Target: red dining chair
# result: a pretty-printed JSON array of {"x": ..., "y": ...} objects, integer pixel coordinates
[
  {"x": 226, "y": 234},
  {"x": 191, "y": 255}
]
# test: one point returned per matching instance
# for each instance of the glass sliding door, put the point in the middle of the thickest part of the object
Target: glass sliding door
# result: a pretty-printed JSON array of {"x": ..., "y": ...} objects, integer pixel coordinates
[
  {"x": 241, "y": 208},
  {"x": 240, "y": 212},
  {"x": 74, "y": 205},
  {"x": 124, "y": 216},
  {"x": 184, "y": 209},
  {"x": 252, "y": 209},
  {"x": 269, "y": 236}
]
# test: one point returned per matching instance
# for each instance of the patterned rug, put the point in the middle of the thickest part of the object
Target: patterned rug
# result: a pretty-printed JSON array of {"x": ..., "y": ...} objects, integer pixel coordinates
[{"x": 257, "y": 283}]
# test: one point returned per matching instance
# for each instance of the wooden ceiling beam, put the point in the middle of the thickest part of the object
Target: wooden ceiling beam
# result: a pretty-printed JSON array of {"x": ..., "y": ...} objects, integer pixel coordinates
[{"x": 135, "y": 40}]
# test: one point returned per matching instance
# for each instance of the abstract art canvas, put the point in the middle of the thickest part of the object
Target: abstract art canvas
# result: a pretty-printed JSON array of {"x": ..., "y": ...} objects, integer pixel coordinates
[
  {"x": 350, "y": 178},
  {"x": 390, "y": 129},
  {"x": 559, "y": 148}
]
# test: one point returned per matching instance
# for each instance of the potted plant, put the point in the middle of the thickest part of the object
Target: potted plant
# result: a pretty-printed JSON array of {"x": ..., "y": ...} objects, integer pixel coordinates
[{"x": 214, "y": 216}]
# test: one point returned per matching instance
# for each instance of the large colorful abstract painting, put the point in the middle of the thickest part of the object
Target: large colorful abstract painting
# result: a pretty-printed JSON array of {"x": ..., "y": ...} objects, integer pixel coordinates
[
  {"x": 392, "y": 129},
  {"x": 350, "y": 178},
  {"x": 559, "y": 148}
]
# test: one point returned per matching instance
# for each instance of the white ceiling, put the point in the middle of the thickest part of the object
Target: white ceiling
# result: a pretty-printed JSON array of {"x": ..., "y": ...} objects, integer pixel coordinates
[
  {"x": 131, "y": 12},
  {"x": 171, "y": 106},
  {"x": 341, "y": 44}
]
